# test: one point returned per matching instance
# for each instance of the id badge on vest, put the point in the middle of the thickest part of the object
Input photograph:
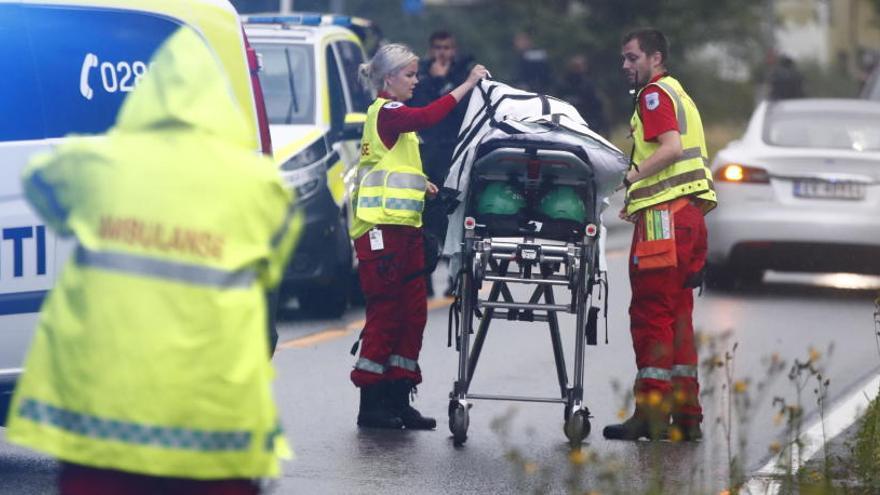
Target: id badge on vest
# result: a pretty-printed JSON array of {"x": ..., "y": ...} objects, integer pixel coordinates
[{"x": 376, "y": 241}]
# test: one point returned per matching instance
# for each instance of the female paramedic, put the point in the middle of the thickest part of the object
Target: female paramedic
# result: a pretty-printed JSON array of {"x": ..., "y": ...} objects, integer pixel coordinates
[{"x": 386, "y": 228}]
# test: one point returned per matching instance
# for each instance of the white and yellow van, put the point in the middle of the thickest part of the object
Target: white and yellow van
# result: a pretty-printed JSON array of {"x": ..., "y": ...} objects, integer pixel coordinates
[
  {"x": 316, "y": 109},
  {"x": 69, "y": 66}
]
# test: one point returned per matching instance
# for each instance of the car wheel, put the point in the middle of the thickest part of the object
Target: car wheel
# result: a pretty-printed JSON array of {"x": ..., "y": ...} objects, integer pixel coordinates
[
  {"x": 326, "y": 301},
  {"x": 720, "y": 277},
  {"x": 749, "y": 277}
]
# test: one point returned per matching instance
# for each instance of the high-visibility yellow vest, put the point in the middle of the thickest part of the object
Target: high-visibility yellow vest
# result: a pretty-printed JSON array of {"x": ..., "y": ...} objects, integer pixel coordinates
[
  {"x": 150, "y": 355},
  {"x": 690, "y": 175},
  {"x": 391, "y": 183}
]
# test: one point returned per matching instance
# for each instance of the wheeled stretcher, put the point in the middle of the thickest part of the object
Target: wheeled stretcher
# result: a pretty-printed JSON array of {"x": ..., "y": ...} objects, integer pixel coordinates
[{"x": 531, "y": 245}]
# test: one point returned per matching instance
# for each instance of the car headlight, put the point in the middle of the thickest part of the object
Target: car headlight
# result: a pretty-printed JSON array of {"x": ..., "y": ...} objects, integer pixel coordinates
[
  {"x": 306, "y": 157},
  {"x": 734, "y": 172},
  {"x": 306, "y": 171}
]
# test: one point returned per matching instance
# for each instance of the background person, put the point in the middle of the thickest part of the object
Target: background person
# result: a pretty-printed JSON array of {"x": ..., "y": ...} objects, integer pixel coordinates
[
  {"x": 148, "y": 372},
  {"x": 579, "y": 90},
  {"x": 669, "y": 189},
  {"x": 533, "y": 71},
  {"x": 387, "y": 236},
  {"x": 439, "y": 74}
]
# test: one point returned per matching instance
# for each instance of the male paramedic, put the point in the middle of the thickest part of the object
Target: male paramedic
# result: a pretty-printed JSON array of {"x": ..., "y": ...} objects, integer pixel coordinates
[
  {"x": 148, "y": 370},
  {"x": 668, "y": 190}
]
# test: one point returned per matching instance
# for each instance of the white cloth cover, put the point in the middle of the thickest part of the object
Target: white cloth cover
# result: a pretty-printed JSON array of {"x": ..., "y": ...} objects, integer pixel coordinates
[{"x": 537, "y": 118}]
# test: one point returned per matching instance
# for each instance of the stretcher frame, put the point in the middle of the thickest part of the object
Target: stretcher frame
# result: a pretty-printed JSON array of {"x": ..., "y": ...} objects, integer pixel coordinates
[{"x": 542, "y": 263}]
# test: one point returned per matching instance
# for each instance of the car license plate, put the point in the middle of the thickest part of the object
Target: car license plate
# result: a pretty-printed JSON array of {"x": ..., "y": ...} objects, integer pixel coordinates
[{"x": 824, "y": 189}]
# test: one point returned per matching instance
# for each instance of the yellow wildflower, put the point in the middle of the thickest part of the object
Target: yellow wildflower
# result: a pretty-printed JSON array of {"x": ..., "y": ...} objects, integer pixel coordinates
[
  {"x": 777, "y": 420},
  {"x": 680, "y": 397},
  {"x": 675, "y": 434},
  {"x": 740, "y": 386},
  {"x": 775, "y": 447},
  {"x": 621, "y": 413},
  {"x": 577, "y": 457},
  {"x": 814, "y": 355}
]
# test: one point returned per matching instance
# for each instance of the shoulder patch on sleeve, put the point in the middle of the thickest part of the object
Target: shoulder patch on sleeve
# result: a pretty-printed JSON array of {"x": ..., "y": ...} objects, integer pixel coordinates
[
  {"x": 391, "y": 105},
  {"x": 652, "y": 100}
]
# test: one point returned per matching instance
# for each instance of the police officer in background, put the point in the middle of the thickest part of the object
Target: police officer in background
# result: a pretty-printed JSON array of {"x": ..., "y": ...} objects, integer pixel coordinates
[
  {"x": 148, "y": 372},
  {"x": 668, "y": 190}
]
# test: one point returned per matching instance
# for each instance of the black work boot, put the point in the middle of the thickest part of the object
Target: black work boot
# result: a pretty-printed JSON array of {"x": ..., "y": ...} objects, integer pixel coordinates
[
  {"x": 686, "y": 427},
  {"x": 399, "y": 398},
  {"x": 636, "y": 427},
  {"x": 374, "y": 413}
]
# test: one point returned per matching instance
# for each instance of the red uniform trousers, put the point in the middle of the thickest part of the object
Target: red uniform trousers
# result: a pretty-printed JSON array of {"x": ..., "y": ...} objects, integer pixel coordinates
[
  {"x": 396, "y": 296},
  {"x": 75, "y": 479},
  {"x": 660, "y": 318}
]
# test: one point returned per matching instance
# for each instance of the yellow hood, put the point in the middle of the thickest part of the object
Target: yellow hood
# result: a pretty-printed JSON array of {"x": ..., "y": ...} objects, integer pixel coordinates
[{"x": 185, "y": 86}]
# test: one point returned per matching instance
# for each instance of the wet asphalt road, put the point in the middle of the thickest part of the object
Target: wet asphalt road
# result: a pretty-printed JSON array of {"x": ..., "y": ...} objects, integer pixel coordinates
[{"x": 520, "y": 448}]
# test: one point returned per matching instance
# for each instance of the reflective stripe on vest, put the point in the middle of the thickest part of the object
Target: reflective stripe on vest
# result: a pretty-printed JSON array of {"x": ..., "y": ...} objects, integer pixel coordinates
[
  {"x": 399, "y": 180},
  {"x": 134, "y": 433},
  {"x": 684, "y": 370},
  {"x": 654, "y": 374},
  {"x": 365, "y": 364},
  {"x": 404, "y": 363},
  {"x": 690, "y": 175},
  {"x": 679, "y": 108},
  {"x": 134, "y": 264},
  {"x": 391, "y": 186},
  {"x": 676, "y": 180}
]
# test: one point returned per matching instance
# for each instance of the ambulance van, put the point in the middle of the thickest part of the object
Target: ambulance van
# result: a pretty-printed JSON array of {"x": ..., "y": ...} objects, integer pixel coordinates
[
  {"x": 316, "y": 108},
  {"x": 68, "y": 66}
]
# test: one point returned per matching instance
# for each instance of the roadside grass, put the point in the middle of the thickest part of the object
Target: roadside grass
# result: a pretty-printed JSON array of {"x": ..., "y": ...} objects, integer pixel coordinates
[{"x": 856, "y": 471}]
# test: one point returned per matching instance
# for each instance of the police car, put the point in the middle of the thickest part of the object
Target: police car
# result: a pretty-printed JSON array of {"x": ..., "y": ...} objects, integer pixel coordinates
[
  {"x": 316, "y": 108},
  {"x": 74, "y": 63}
]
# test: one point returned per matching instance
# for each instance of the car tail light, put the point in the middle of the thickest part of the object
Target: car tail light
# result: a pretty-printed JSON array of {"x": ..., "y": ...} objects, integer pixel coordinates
[{"x": 734, "y": 172}]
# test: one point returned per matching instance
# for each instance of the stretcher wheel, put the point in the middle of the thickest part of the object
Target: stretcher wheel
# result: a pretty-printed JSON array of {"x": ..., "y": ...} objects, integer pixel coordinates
[
  {"x": 577, "y": 427},
  {"x": 458, "y": 422}
]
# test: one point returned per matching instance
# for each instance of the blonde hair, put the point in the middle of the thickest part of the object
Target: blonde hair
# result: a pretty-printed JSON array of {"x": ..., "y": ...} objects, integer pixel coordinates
[{"x": 388, "y": 59}]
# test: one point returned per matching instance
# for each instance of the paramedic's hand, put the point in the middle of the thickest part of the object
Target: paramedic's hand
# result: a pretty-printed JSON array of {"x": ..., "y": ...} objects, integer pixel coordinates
[
  {"x": 626, "y": 218},
  {"x": 477, "y": 73},
  {"x": 431, "y": 190}
]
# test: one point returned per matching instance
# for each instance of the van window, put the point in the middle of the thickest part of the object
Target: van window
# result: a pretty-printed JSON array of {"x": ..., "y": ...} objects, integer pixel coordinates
[
  {"x": 351, "y": 56},
  {"x": 337, "y": 96},
  {"x": 288, "y": 83},
  {"x": 85, "y": 61}
]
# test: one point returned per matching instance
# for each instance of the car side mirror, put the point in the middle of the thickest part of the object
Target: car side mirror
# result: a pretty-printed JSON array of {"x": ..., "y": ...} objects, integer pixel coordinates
[{"x": 351, "y": 131}]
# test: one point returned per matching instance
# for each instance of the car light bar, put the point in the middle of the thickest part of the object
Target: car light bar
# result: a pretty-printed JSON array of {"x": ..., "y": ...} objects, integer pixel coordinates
[
  {"x": 308, "y": 19},
  {"x": 292, "y": 19},
  {"x": 734, "y": 172}
]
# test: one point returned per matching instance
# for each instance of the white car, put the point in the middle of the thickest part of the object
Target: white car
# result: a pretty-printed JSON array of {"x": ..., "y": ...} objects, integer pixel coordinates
[{"x": 800, "y": 191}]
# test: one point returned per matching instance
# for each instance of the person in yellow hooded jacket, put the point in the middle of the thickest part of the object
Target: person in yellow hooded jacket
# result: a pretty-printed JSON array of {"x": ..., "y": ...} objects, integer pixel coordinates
[{"x": 148, "y": 372}]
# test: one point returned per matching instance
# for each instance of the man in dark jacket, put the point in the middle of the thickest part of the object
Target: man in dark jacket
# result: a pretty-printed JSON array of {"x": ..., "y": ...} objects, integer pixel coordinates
[{"x": 440, "y": 72}]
